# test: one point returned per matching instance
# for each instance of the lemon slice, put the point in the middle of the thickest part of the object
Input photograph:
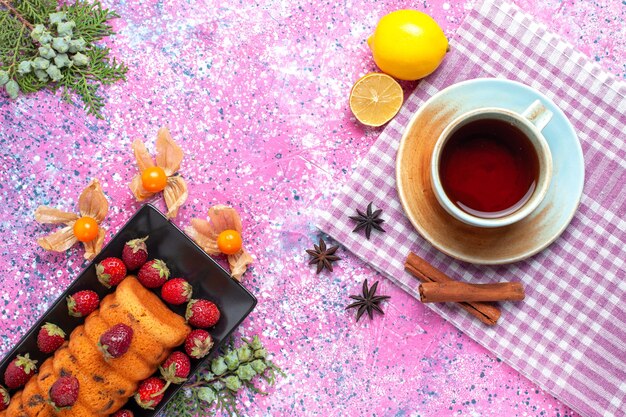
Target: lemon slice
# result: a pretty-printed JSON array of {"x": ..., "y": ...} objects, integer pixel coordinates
[{"x": 375, "y": 99}]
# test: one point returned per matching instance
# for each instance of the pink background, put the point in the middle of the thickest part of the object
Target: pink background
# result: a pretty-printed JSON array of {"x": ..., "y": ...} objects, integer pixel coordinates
[{"x": 256, "y": 94}]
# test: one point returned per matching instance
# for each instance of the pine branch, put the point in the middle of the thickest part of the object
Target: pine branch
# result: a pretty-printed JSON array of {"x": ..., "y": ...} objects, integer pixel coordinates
[
  {"x": 84, "y": 81},
  {"x": 35, "y": 11},
  {"x": 14, "y": 42},
  {"x": 216, "y": 388},
  {"x": 29, "y": 83},
  {"x": 88, "y": 91},
  {"x": 18, "y": 18},
  {"x": 103, "y": 69},
  {"x": 30, "y": 12},
  {"x": 91, "y": 20},
  {"x": 17, "y": 14},
  {"x": 227, "y": 402}
]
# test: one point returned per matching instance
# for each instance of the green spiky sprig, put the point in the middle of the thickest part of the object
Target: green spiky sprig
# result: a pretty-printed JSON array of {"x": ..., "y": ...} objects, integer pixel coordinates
[
  {"x": 215, "y": 388},
  {"x": 17, "y": 21}
]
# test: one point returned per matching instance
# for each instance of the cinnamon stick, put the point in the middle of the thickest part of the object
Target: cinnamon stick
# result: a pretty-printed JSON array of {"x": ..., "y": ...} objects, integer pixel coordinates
[
  {"x": 425, "y": 272},
  {"x": 442, "y": 292}
]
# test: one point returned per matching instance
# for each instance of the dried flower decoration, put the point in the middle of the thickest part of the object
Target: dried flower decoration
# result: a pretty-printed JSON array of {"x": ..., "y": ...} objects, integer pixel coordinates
[
  {"x": 323, "y": 256},
  {"x": 215, "y": 236},
  {"x": 369, "y": 220},
  {"x": 162, "y": 176},
  {"x": 84, "y": 227},
  {"x": 368, "y": 301}
]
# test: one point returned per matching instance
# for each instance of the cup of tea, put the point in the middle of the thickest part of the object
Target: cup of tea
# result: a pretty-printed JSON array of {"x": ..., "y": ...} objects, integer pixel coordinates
[{"x": 491, "y": 167}]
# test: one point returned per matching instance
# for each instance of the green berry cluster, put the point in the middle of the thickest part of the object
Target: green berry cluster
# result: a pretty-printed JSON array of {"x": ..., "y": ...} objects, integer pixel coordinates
[
  {"x": 243, "y": 363},
  {"x": 10, "y": 85},
  {"x": 54, "y": 45},
  {"x": 229, "y": 373},
  {"x": 59, "y": 49}
]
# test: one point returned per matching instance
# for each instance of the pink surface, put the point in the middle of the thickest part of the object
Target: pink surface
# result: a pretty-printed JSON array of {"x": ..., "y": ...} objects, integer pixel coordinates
[{"x": 256, "y": 94}]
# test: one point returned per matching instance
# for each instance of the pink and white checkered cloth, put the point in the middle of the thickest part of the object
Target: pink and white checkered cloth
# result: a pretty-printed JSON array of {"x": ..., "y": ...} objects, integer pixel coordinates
[{"x": 569, "y": 335}]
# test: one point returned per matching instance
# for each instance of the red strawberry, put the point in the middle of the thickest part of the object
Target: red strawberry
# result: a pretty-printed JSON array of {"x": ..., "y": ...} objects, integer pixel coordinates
[
  {"x": 198, "y": 343},
  {"x": 116, "y": 341},
  {"x": 50, "y": 338},
  {"x": 110, "y": 272},
  {"x": 19, "y": 371},
  {"x": 64, "y": 392},
  {"x": 176, "y": 368},
  {"x": 176, "y": 291},
  {"x": 153, "y": 273},
  {"x": 150, "y": 392},
  {"x": 135, "y": 253},
  {"x": 82, "y": 303},
  {"x": 123, "y": 413},
  {"x": 5, "y": 398},
  {"x": 202, "y": 313}
]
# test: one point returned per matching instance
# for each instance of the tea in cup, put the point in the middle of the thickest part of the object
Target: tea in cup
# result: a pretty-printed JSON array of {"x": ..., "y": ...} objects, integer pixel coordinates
[{"x": 491, "y": 167}]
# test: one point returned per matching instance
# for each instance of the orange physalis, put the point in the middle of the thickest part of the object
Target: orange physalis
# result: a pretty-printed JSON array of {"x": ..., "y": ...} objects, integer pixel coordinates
[
  {"x": 83, "y": 227},
  {"x": 86, "y": 229},
  {"x": 222, "y": 234},
  {"x": 162, "y": 176},
  {"x": 229, "y": 242},
  {"x": 153, "y": 179}
]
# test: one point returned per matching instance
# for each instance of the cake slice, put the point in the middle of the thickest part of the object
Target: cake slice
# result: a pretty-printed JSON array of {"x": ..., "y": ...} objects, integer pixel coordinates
[
  {"x": 92, "y": 362},
  {"x": 129, "y": 365},
  {"x": 98, "y": 397},
  {"x": 77, "y": 410},
  {"x": 152, "y": 314},
  {"x": 45, "y": 378},
  {"x": 32, "y": 398},
  {"x": 144, "y": 344},
  {"x": 21, "y": 411},
  {"x": 15, "y": 406},
  {"x": 105, "y": 385}
]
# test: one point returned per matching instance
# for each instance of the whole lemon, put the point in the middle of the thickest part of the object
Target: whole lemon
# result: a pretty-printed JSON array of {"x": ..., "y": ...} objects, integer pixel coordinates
[{"x": 408, "y": 44}]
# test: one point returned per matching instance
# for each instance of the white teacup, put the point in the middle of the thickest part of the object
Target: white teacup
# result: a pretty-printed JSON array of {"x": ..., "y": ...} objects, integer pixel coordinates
[{"x": 529, "y": 124}]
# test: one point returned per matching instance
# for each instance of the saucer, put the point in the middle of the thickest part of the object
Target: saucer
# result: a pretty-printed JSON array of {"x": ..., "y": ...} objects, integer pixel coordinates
[{"x": 481, "y": 245}]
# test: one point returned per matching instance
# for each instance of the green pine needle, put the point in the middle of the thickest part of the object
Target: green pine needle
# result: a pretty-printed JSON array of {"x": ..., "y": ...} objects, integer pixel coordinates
[
  {"x": 18, "y": 17},
  {"x": 91, "y": 20},
  {"x": 35, "y": 11},
  {"x": 188, "y": 401},
  {"x": 15, "y": 45}
]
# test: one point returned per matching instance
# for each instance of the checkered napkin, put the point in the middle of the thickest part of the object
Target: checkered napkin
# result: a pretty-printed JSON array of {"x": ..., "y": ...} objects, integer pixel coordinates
[{"x": 569, "y": 335}]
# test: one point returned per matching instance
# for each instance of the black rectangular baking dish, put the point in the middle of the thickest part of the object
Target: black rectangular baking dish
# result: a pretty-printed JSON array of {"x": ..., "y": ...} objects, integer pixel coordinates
[{"x": 184, "y": 259}]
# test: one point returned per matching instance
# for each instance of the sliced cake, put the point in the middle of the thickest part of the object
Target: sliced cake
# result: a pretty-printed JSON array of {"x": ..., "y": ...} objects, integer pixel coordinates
[
  {"x": 48, "y": 376},
  {"x": 32, "y": 398},
  {"x": 162, "y": 323},
  {"x": 105, "y": 384},
  {"x": 144, "y": 343},
  {"x": 15, "y": 406},
  {"x": 94, "y": 394},
  {"x": 78, "y": 410},
  {"x": 92, "y": 362},
  {"x": 130, "y": 365},
  {"x": 45, "y": 379}
]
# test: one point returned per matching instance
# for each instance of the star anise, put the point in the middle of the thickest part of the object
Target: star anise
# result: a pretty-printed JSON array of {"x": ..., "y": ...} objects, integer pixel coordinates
[
  {"x": 368, "y": 220},
  {"x": 323, "y": 257},
  {"x": 368, "y": 301}
]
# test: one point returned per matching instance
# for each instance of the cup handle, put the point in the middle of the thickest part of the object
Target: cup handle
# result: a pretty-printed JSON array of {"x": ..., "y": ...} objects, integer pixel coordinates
[{"x": 538, "y": 114}]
